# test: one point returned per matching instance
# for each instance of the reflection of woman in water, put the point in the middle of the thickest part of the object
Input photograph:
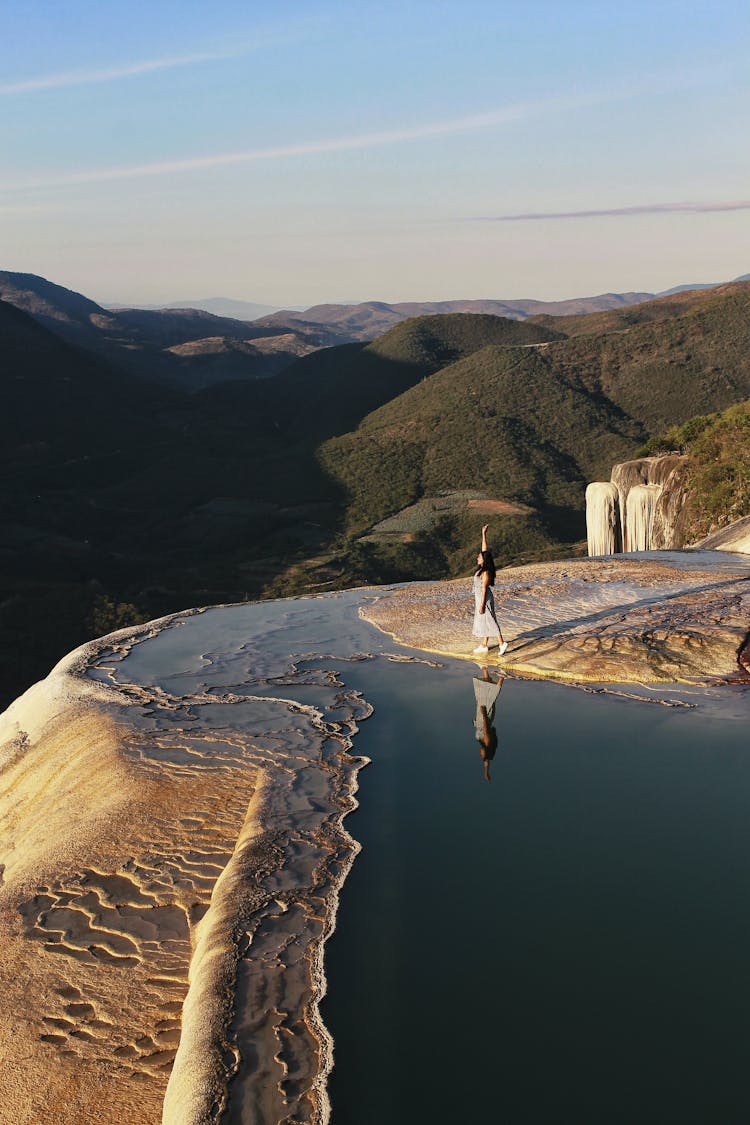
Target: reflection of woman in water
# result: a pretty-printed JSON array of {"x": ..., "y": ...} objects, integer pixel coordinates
[
  {"x": 485, "y": 621},
  {"x": 486, "y": 692}
]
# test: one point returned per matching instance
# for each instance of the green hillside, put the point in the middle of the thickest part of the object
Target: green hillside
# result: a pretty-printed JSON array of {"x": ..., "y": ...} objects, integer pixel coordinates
[
  {"x": 646, "y": 312},
  {"x": 536, "y": 424},
  {"x": 665, "y": 371},
  {"x": 501, "y": 420},
  {"x": 436, "y": 341},
  {"x": 717, "y": 475},
  {"x": 330, "y": 391}
]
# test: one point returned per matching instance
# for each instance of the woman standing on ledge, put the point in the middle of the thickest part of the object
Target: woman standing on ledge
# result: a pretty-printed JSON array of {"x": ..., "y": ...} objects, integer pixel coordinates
[{"x": 485, "y": 621}]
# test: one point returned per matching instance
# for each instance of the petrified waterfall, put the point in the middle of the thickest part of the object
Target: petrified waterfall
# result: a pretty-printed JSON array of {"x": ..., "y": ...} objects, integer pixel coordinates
[
  {"x": 639, "y": 515},
  {"x": 638, "y": 509},
  {"x": 603, "y": 518}
]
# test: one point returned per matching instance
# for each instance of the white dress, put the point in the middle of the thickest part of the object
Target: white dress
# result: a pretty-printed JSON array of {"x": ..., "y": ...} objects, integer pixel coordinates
[
  {"x": 485, "y": 693},
  {"x": 485, "y": 624}
]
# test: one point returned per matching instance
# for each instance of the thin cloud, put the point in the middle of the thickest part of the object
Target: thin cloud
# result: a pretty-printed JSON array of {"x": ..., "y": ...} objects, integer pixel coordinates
[
  {"x": 131, "y": 69},
  {"x": 107, "y": 74},
  {"x": 638, "y": 209},
  {"x": 305, "y": 148},
  {"x": 518, "y": 112}
]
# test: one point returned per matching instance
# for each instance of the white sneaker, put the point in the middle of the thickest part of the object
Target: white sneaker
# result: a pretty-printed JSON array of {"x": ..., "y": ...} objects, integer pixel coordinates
[
  {"x": 502, "y": 649},
  {"x": 481, "y": 648}
]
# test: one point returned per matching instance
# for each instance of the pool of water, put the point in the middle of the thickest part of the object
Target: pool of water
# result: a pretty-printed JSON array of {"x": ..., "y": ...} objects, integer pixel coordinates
[
  {"x": 549, "y": 920},
  {"x": 565, "y": 942}
]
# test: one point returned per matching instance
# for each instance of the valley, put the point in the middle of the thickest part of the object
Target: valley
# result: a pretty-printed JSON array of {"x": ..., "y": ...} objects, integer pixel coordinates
[{"x": 142, "y": 474}]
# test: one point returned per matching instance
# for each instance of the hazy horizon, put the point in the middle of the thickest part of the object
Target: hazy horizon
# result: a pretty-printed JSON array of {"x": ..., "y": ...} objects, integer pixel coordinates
[
  {"x": 292, "y": 305},
  {"x": 415, "y": 151}
]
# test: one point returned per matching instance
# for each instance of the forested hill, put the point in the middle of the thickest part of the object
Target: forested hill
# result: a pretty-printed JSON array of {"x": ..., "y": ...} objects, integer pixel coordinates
[
  {"x": 533, "y": 425},
  {"x": 716, "y": 473},
  {"x": 332, "y": 390}
]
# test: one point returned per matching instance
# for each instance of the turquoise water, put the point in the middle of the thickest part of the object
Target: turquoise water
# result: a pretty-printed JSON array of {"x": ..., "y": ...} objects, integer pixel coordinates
[{"x": 569, "y": 942}]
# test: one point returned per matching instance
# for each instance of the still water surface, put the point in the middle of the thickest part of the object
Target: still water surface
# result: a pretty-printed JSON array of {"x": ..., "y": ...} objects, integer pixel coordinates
[{"x": 568, "y": 942}]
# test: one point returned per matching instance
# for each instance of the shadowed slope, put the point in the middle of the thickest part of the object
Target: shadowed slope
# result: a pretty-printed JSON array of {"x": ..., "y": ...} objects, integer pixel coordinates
[
  {"x": 331, "y": 391},
  {"x": 136, "y": 341},
  {"x": 59, "y": 400}
]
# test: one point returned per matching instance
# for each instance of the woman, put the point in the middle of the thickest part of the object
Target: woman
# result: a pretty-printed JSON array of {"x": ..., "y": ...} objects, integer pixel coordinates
[{"x": 485, "y": 621}]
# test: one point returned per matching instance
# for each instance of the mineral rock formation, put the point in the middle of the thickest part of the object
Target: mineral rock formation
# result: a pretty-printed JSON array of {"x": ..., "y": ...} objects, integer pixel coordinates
[
  {"x": 649, "y": 496},
  {"x": 639, "y": 515},
  {"x": 603, "y": 519},
  {"x": 172, "y": 842},
  {"x": 172, "y": 860}
]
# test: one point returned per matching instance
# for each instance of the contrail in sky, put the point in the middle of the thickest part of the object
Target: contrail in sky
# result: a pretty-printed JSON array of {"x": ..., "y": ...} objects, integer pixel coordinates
[
  {"x": 637, "y": 209},
  {"x": 453, "y": 126},
  {"x": 475, "y": 122},
  {"x": 303, "y": 148},
  {"x": 126, "y": 70}
]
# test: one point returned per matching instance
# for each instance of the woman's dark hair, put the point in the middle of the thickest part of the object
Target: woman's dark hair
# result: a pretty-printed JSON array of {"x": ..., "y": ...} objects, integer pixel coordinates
[{"x": 488, "y": 564}]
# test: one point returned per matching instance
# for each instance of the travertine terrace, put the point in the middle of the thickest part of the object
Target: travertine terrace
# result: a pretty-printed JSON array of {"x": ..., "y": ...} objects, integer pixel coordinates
[{"x": 172, "y": 839}]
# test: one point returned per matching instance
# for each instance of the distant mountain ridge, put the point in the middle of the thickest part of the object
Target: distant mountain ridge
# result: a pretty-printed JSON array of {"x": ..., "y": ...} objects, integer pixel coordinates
[
  {"x": 141, "y": 341},
  {"x": 193, "y": 348},
  {"x": 219, "y": 306},
  {"x": 333, "y": 313},
  {"x": 371, "y": 318},
  {"x": 368, "y": 319}
]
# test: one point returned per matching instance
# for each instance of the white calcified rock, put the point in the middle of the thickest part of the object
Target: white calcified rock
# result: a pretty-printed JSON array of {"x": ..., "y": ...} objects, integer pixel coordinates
[
  {"x": 603, "y": 519},
  {"x": 661, "y": 475},
  {"x": 669, "y": 503},
  {"x": 639, "y": 515},
  {"x": 680, "y": 617},
  {"x": 165, "y": 841}
]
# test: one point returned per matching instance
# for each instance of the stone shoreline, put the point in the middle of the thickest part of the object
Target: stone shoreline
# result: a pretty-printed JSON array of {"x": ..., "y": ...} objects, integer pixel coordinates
[{"x": 681, "y": 617}]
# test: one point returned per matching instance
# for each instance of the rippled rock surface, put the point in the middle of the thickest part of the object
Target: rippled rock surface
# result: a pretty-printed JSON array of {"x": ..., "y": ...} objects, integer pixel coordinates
[{"x": 171, "y": 808}]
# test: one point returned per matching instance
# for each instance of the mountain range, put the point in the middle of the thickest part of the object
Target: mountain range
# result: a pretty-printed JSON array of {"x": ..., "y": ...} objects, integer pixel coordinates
[
  {"x": 125, "y": 494},
  {"x": 367, "y": 319},
  {"x": 374, "y": 317},
  {"x": 191, "y": 346},
  {"x": 183, "y": 348}
]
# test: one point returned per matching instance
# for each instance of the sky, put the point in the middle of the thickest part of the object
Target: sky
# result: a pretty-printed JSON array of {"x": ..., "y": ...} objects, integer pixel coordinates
[{"x": 298, "y": 153}]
